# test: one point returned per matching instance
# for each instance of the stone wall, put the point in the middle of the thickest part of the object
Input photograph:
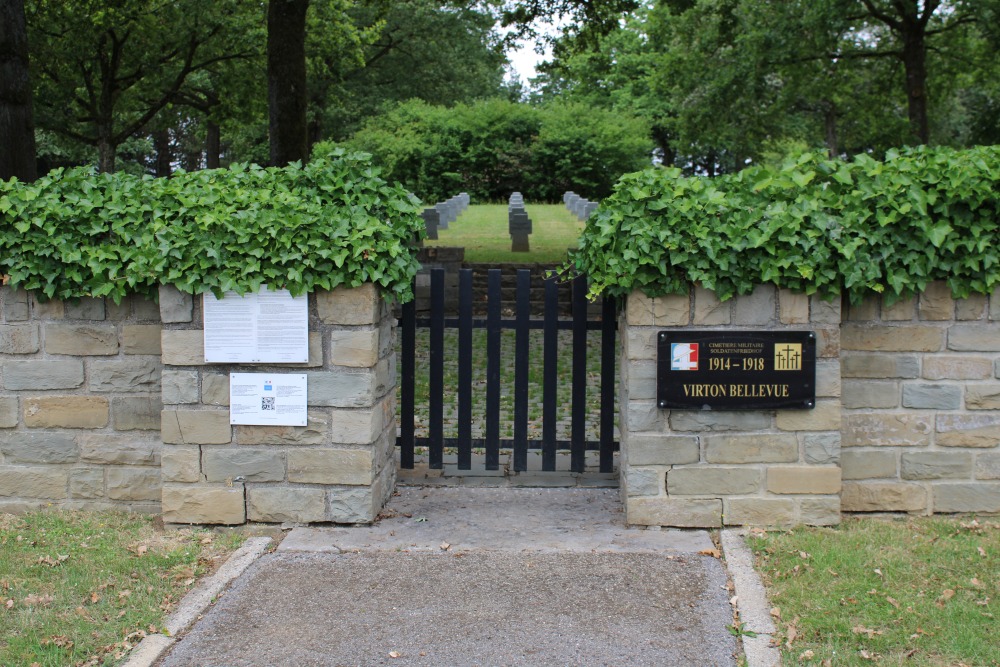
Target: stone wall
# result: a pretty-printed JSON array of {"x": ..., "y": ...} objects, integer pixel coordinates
[
  {"x": 79, "y": 403},
  {"x": 921, "y": 402},
  {"x": 339, "y": 468},
  {"x": 695, "y": 468}
]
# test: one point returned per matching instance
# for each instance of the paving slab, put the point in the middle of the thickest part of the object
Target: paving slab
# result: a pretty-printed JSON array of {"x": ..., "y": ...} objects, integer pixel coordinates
[{"x": 469, "y": 576}]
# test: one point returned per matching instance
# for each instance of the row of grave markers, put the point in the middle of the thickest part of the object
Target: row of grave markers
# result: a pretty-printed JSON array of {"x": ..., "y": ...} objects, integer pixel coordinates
[
  {"x": 518, "y": 223},
  {"x": 578, "y": 206},
  {"x": 442, "y": 213}
]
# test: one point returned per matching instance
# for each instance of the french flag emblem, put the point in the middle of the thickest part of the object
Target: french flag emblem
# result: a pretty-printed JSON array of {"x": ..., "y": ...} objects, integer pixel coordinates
[{"x": 684, "y": 356}]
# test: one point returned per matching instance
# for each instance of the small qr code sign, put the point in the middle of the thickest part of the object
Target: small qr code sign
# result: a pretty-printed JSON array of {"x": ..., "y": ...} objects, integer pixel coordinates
[
  {"x": 267, "y": 403},
  {"x": 278, "y": 399}
]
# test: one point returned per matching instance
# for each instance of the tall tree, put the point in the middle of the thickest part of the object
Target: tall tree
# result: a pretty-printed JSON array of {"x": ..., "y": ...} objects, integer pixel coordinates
[
  {"x": 287, "y": 96},
  {"x": 17, "y": 126}
]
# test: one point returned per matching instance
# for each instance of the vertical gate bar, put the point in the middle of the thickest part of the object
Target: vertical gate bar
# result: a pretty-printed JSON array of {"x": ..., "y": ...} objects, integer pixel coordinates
[
  {"x": 578, "y": 437},
  {"x": 465, "y": 369},
  {"x": 408, "y": 344},
  {"x": 493, "y": 370},
  {"x": 550, "y": 381},
  {"x": 608, "y": 329},
  {"x": 521, "y": 350},
  {"x": 436, "y": 384}
]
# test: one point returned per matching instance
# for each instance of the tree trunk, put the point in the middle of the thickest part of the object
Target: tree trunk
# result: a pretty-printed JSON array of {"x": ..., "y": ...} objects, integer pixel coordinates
[
  {"x": 213, "y": 145},
  {"x": 830, "y": 125},
  {"x": 286, "y": 81},
  {"x": 17, "y": 124},
  {"x": 164, "y": 155},
  {"x": 915, "y": 65},
  {"x": 106, "y": 155}
]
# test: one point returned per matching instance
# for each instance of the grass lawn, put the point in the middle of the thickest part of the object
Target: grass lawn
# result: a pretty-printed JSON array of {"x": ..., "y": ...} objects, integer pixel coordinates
[
  {"x": 83, "y": 588},
  {"x": 482, "y": 231},
  {"x": 903, "y": 591}
]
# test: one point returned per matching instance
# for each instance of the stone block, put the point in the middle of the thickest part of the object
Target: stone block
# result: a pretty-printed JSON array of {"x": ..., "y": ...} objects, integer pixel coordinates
[
  {"x": 315, "y": 432},
  {"x": 352, "y": 505},
  {"x": 46, "y": 310},
  {"x": 711, "y": 420},
  {"x": 932, "y": 396},
  {"x": 668, "y": 310},
  {"x": 642, "y": 343},
  {"x": 974, "y": 338},
  {"x": 352, "y": 467},
  {"x": 708, "y": 309},
  {"x": 342, "y": 389},
  {"x": 203, "y": 504},
  {"x": 883, "y": 497},
  {"x": 41, "y": 374},
  {"x": 758, "y": 448},
  {"x": 936, "y": 465},
  {"x": 175, "y": 306},
  {"x": 81, "y": 339},
  {"x": 124, "y": 376},
  {"x": 675, "y": 512},
  {"x": 350, "y": 306},
  {"x": 827, "y": 342},
  {"x": 43, "y": 482},
  {"x": 641, "y": 381},
  {"x": 793, "y": 307},
  {"x": 972, "y": 307},
  {"x": 144, "y": 309},
  {"x": 124, "y": 450},
  {"x": 356, "y": 427},
  {"x": 878, "y": 366},
  {"x": 828, "y": 378},
  {"x": 995, "y": 304},
  {"x": 35, "y": 447},
  {"x": 759, "y": 512},
  {"x": 988, "y": 466},
  {"x": 891, "y": 339},
  {"x": 86, "y": 308},
  {"x": 982, "y": 396},
  {"x": 968, "y": 497},
  {"x": 179, "y": 387},
  {"x": 887, "y": 430},
  {"x": 284, "y": 504},
  {"x": 9, "y": 411},
  {"x": 821, "y": 448},
  {"x": 981, "y": 430},
  {"x": 866, "y": 311},
  {"x": 66, "y": 412},
  {"x": 181, "y": 464},
  {"x": 182, "y": 348},
  {"x": 640, "y": 415},
  {"x": 660, "y": 450},
  {"x": 220, "y": 464},
  {"x": 644, "y": 481},
  {"x": 713, "y": 480},
  {"x": 118, "y": 312},
  {"x": 815, "y": 480},
  {"x": 13, "y": 304},
  {"x": 195, "y": 427},
  {"x": 86, "y": 483},
  {"x": 867, "y": 464},
  {"x": 134, "y": 484},
  {"x": 19, "y": 339},
  {"x": 820, "y": 511},
  {"x": 132, "y": 413},
  {"x": 936, "y": 303},
  {"x": 869, "y": 394},
  {"x": 356, "y": 348},
  {"x": 824, "y": 417},
  {"x": 903, "y": 310},
  {"x": 942, "y": 367},
  {"x": 824, "y": 311},
  {"x": 141, "y": 338},
  {"x": 215, "y": 389},
  {"x": 757, "y": 308}
]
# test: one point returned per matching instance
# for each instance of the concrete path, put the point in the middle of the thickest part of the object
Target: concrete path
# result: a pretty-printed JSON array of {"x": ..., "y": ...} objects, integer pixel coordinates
[{"x": 475, "y": 576}]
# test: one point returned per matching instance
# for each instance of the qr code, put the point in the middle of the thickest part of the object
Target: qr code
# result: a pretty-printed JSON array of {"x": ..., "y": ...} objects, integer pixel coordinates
[{"x": 267, "y": 403}]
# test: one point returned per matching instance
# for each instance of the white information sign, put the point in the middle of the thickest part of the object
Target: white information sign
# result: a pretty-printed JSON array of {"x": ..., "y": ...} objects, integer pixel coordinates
[
  {"x": 267, "y": 327},
  {"x": 267, "y": 399}
]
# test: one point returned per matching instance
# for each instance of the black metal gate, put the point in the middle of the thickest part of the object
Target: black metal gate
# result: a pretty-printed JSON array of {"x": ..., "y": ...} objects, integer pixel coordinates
[{"x": 522, "y": 323}]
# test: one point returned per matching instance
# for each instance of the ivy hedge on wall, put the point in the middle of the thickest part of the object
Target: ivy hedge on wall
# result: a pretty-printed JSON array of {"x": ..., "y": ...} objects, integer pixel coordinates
[
  {"x": 809, "y": 224},
  {"x": 333, "y": 222}
]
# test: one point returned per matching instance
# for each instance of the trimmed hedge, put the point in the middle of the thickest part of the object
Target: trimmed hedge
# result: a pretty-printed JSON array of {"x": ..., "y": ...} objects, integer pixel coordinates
[
  {"x": 333, "y": 222},
  {"x": 809, "y": 224}
]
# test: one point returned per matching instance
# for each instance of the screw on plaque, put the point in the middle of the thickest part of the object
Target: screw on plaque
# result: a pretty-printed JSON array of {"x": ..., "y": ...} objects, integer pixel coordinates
[{"x": 663, "y": 404}]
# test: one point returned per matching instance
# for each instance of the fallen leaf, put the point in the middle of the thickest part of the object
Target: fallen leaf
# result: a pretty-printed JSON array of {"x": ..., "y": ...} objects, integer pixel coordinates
[
  {"x": 714, "y": 553},
  {"x": 9, "y": 604},
  {"x": 878, "y": 572},
  {"x": 891, "y": 601},
  {"x": 866, "y": 655},
  {"x": 94, "y": 598},
  {"x": 445, "y": 546},
  {"x": 975, "y": 582},
  {"x": 982, "y": 552},
  {"x": 776, "y": 612},
  {"x": 395, "y": 654},
  {"x": 806, "y": 655},
  {"x": 862, "y": 630},
  {"x": 945, "y": 596},
  {"x": 141, "y": 550},
  {"x": 733, "y": 600},
  {"x": 793, "y": 632},
  {"x": 803, "y": 555}
]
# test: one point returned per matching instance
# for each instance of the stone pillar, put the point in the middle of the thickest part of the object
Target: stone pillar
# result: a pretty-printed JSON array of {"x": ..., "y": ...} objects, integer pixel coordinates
[
  {"x": 339, "y": 468},
  {"x": 697, "y": 468}
]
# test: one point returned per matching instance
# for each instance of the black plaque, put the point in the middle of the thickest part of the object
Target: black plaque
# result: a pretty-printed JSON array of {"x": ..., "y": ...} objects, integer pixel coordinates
[{"x": 736, "y": 370}]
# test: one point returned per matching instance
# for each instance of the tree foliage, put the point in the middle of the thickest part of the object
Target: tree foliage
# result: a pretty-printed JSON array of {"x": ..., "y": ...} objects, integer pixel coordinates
[{"x": 17, "y": 126}]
